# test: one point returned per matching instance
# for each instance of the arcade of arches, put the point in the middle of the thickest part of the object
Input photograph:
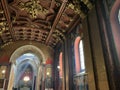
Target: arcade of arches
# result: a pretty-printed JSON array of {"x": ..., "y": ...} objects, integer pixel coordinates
[{"x": 59, "y": 45}]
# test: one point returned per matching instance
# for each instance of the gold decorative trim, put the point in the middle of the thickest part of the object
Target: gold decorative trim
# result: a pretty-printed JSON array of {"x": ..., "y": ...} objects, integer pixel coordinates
[{"x": 33, "y": 8}]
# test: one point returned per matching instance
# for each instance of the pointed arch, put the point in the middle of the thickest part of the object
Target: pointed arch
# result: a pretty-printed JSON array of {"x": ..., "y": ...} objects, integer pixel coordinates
[
  {"x": 27, "y": 48},
  {"x": 35, "y": 64},
  {"x": 116, "y": 25},
  {"x": 77, "y": 57}
]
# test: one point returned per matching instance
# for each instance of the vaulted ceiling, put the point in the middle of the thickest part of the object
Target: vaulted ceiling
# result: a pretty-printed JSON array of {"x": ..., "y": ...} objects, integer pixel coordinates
[{"x": 44, "y": 21}]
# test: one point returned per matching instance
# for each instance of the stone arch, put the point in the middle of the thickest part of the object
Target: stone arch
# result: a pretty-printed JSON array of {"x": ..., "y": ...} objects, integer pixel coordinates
[
  {"x": 23, "y": 50},
  {"x": 27, "y": 48},
  {"x": 31, "y": 63}
]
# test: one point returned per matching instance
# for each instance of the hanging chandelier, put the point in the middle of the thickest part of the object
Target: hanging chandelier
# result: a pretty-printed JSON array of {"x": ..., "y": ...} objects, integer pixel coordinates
[{"x": 26, "y": 78}]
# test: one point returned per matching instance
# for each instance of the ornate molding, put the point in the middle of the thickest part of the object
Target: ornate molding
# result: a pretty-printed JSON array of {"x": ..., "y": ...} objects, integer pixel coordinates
[{"x": 33, "y": 8}]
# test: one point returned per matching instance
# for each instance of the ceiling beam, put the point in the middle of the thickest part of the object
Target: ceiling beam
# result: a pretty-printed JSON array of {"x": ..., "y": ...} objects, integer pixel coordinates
[
  {"x": 61, "y": 10},
  {"x": 74, "y": 23},
  {"x": 52, "y": 2},
  {"x": 7, "y": 14}
]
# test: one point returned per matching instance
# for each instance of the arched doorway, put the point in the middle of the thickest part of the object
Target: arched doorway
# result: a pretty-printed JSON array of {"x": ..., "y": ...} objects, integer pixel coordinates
[{"x": 26, "y": 69}]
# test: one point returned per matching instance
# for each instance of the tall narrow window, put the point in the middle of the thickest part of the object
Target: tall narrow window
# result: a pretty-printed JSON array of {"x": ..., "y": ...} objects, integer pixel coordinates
[
  {"x": 81, "y": 54},
  {"x": 60, "y": 69},
  {"x": 80, "y": 78},
  {"x": 115, "y": 27},
  {"x": 61, "y": 66},
  {"x": 119, "y": 16},
  {"x": 77, "y": 58}
]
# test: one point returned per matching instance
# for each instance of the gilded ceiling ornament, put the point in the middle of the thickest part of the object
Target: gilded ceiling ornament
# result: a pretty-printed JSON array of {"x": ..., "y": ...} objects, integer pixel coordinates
[
  {"x": 78, "y": 6},
  {"x": 6, "y": 44},
  {"x": 33, "y": 8},
  {"x": 3, "y": 26},
  {"x": 1, "y": 11},
  {"x": 58, "y": 33},
  {"x": 77, "y": 10}
]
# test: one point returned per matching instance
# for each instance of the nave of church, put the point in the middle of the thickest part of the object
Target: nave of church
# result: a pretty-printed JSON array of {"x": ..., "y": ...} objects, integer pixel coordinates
[{"x": 59, "y": 45}]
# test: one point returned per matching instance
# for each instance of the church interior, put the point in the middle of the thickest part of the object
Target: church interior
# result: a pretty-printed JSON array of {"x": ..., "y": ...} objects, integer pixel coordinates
[{"x": 59, "y": 45}]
